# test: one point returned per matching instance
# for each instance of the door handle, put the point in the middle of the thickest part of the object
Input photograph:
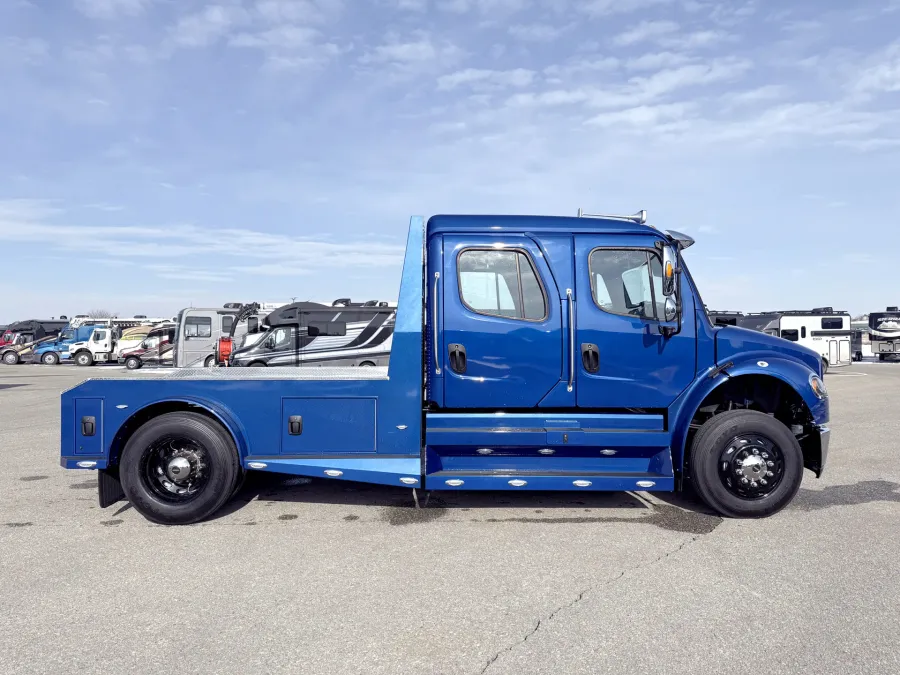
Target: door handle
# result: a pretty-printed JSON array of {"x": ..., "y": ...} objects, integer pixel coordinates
[
  {"x": 457, "y": 358},
  {"x": 88, "y": 426},
  {"x": 571, "y": 304},
  {"x": 434, "y": 326},
  {"x": 590, "y": 357},
  {"x": 295, "y": 425}
]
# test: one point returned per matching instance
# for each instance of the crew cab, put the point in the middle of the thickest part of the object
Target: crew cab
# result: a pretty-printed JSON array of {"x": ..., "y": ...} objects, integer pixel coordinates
[{"x": 529, "y": 353}]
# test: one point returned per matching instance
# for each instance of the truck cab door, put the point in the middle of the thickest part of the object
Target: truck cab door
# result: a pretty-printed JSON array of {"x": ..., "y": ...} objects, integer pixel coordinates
[
  {"x": 624, "y": 359},
  {"x": 501, "y": 343}
]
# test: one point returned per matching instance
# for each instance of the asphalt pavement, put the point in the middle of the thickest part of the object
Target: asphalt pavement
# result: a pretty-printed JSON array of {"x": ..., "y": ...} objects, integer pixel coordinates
[{"x": 332, "y": 577}]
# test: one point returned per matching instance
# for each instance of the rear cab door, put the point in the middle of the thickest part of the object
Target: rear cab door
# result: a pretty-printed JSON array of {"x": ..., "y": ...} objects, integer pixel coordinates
[{"x": 501, "y": 344}]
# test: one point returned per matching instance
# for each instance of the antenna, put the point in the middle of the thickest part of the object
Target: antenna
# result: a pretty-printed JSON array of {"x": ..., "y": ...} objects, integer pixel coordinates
[{"x": 640, "y": 217}]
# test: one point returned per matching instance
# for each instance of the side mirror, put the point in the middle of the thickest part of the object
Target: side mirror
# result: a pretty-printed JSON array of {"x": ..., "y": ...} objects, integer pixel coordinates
[
  {"x": 671, "y": 308},
  {"x": 668, "y": 273}
]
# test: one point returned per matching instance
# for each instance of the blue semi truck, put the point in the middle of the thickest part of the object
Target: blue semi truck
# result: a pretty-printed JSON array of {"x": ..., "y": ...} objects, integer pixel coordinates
[
  {"x": 530, "y": 353},
  {"x": 51, "y": 353}
]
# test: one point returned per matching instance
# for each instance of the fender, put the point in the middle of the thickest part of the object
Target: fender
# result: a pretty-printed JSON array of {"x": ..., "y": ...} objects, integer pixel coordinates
[
  {"x": 221, "y": 413},
  {"x": 792, "y": 373}
]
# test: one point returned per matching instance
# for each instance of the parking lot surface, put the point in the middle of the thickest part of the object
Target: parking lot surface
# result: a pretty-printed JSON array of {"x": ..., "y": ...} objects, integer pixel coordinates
[{"x": 334, "y": 577}]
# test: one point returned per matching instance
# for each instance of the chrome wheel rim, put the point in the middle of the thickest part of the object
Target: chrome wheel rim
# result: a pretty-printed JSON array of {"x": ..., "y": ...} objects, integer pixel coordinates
[{"x": 751, "y": 466}]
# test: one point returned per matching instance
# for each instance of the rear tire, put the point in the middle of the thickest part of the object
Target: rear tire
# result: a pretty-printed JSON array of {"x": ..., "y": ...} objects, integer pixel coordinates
[
  {"x": 207, "y": 454},
  {"x": 882, "y": 357},
  {"x": 824, "y": 367},
  {"x": 257, "y": 364},
  {"x": 10, "y": 358},
  {"x": 50, "y": 359},
  {"x": 760, "y": 484},
  {"x": 84, "y": 359},
  {"x": 133, "y": 363}
]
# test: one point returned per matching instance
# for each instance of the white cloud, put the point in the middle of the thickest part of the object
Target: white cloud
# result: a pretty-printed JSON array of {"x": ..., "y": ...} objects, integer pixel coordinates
[
  {"x": 207, "y": 26},
  {"x": 580, "y": 66},
  {"x": 537, "y": 32},
  {"x": 283, "y": 37},
  {"x": 417, "y": 51},
  {"x": 658, "y": 60},
  {"x": 23, "y": 51},
  {"x": 767, "y": 92},
  {"x": 645, "y": 30},
  {"x": 482, "y": 6},
  {"x": 884, "y": 74},
  {"x": 696, "y": 40},
  {"x": 110, "y": 9},
  {"x": 598, "y": 8},
  {"x": 643, "y": 116},
  {"x": 298, "y": 11},
  {"x": 480, "y": 79}
]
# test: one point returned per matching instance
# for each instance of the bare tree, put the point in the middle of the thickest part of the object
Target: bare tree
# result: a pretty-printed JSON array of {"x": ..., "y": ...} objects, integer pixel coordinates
[{"x": 102, "y": 314}]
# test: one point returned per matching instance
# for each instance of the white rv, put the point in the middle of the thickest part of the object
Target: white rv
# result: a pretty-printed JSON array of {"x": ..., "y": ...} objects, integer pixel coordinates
[
  {"x": 198, "y": 330},
  {"x": 822, "y": 329}
]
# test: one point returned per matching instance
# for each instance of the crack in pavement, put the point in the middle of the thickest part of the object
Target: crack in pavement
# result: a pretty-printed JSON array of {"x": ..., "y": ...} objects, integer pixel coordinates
[{"x": 580, "y": 597}]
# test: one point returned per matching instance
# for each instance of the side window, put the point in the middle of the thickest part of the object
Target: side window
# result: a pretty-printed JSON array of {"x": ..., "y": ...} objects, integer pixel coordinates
[
  {"x": 832, "y": 324},
  {"x": 803, "y": 331},
  {"x": 791, "y": 335},
  {"x": 198, "y": 327},
  {"x": 501, "y": 283},
  {"x": 627, "y": 282},
  {"x": 227, "y": 322},
  {"x": 282, "y": 338}
]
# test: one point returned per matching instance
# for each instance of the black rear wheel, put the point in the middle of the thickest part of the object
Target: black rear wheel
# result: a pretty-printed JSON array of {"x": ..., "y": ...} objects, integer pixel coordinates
[
  {"x": 179, "y": 468},
  {"x": 745, "y": 464}
]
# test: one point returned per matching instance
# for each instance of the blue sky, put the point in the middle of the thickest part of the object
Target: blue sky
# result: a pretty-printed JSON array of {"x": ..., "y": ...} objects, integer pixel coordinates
[{"x": 161, "y": 153}]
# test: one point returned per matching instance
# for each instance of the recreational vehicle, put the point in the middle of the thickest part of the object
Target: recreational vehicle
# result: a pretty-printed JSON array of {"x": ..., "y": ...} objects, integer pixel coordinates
[
  {"x": 822, "y": 329},
  {"x": 884, "y": 332},
  {"x": 198, "y": 330},
  {"x": 155, "y": 349},
  {"x": 314, "y": 334},
  {"x": 725, "y": 318}
]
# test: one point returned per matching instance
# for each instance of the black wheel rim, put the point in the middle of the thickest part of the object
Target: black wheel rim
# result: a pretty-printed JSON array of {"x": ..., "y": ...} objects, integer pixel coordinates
[
  {"x": 175, "y": 469},
  {"x": 751, "y": 466}
]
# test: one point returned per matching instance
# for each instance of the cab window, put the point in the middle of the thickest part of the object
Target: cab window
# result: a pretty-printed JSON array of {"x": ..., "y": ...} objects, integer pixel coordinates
[
  {"x": 501, "y": 283},
  {"x": 627, "y": 282}
]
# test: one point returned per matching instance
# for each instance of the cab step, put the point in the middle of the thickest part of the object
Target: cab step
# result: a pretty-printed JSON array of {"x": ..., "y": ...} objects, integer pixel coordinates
[{"x": 552, "y": 480}]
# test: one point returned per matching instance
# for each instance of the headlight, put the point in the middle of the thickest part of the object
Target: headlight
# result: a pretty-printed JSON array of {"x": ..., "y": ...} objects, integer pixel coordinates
[{"x": 818, "y": 386}]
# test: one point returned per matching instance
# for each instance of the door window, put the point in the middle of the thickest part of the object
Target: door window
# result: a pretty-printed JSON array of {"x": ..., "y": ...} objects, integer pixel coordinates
[
  {"x": 198, "y": 327},
  {"x": 501, "y": 283},
  {"x": 280, "y": 339},
  {"x": 227, "y": 322},
  {"x": 627, "y": 282}
]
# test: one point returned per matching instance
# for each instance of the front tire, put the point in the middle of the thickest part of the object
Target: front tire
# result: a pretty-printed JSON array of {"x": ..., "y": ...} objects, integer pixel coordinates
[
  {"x": 179, "y": 468},
  {"x": 133, "y": 363},
  {"x": 50, "y": 359},
  {"x": 210, "y": 362},
  {"x": 10, "y": 358},
  {"x": 824, "y": 367},
  {"x": 745, "y": 464},
  {"x": 84, "y": 359}
]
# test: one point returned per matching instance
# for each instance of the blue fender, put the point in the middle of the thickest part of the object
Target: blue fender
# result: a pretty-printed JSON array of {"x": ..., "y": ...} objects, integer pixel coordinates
[
  {"x": 223, "y": 414},
  {"x": 792, "y": 373}
]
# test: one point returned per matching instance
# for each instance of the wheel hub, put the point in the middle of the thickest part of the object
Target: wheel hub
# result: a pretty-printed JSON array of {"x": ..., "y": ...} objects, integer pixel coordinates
[
  {"x": 178, "y": 469},
  {"x": 751, "y": 466}
]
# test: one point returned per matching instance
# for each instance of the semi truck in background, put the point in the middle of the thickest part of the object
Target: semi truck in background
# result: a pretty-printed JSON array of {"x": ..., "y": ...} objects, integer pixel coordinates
[
  {"x": 533, "y": 353},
  {"x": 52, "y": 352},
  {"x": 21, "y": 338}
]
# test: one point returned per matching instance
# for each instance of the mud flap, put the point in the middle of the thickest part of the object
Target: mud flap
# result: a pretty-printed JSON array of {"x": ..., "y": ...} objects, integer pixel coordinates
[{"x": 109, "y": 489}]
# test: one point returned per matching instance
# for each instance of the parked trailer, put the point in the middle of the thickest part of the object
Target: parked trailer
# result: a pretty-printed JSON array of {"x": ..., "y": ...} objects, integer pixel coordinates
[
  {"x": 535, "y": 353},
  {"x": 156, "y": 349},
  {"x": 822, "y": 329},
  {"x": 884, "y": 333}
]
